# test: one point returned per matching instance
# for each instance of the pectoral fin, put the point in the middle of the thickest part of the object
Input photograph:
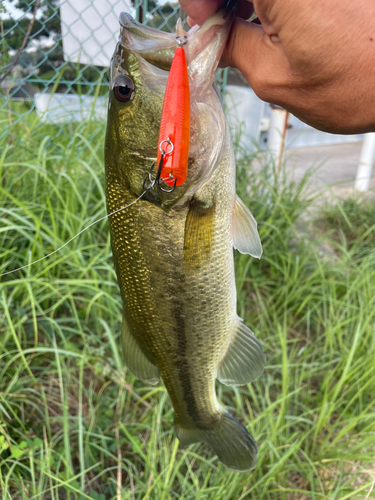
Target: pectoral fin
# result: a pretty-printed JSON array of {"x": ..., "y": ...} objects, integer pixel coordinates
[
  {"x": 135, "y": 360},
  {"x": 198, "y": 235},
  {"x": 244, "y": 230},
  {"x": 244, "y": 361}
]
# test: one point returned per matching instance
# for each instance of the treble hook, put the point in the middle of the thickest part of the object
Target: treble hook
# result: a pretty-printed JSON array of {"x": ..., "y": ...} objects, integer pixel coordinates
[
  {"x": 181, "y": 40},
  {"x": 150, "y": 179},
  {"x": 158, "y": 178}
]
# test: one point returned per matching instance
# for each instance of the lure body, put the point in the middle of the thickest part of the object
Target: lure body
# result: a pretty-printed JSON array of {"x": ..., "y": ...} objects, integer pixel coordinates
[{"x": 174, "y": 135}]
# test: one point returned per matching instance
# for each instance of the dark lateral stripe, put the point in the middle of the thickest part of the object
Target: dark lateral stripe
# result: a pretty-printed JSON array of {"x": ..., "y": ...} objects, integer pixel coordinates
[{"x": 183, "y": 368}]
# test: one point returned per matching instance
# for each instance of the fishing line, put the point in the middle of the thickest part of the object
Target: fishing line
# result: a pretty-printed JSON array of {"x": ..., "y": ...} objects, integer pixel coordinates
[{"x": 74, "y": 237}]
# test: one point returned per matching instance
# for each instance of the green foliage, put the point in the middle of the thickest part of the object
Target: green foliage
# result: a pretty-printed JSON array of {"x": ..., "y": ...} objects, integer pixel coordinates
[
  {"x": 352, "y": 223},
  {"x": 74, "y": 424},
  {"x": 42, "y": 61},
  {"x": 45, "y": 24}
]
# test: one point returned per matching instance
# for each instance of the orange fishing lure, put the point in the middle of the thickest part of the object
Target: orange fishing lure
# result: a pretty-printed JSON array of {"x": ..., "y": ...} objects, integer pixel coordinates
[{"x": 174, "y": 135}]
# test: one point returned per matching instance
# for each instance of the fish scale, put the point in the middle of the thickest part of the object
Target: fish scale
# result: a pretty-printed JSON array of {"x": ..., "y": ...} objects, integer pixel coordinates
[
  {"x": 143, "y": 242},
  {"x": 173, "y": 252}
]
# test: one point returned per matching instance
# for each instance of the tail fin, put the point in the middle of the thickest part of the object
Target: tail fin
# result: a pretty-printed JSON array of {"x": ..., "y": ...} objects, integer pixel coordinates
[{"x": 230, "y": 440}]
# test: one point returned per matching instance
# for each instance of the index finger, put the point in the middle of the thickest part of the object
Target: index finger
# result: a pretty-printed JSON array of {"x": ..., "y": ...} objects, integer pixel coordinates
[{"x": 200, "y": 10}]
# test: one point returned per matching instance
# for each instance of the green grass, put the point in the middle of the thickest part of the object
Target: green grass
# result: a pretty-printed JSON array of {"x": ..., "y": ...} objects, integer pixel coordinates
[{"x": 74, "y": 424}]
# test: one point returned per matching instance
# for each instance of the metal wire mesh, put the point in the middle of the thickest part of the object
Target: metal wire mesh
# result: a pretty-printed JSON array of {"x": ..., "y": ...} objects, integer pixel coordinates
[{"x": 52, "y": 65}]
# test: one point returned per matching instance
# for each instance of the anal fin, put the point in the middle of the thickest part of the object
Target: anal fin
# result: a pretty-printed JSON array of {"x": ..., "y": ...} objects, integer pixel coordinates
[
  {"x": 244, "y": 361},
  {"x": 244, "y": 230},
  {"x": 135, "y": 360}
]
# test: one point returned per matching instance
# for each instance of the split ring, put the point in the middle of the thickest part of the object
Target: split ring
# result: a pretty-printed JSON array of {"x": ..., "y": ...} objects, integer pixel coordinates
[{"x": 168, "y": 141}]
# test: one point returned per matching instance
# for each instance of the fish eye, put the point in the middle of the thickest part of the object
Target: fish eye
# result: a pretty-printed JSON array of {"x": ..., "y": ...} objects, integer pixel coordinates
[{"x": 123, "y": 88}]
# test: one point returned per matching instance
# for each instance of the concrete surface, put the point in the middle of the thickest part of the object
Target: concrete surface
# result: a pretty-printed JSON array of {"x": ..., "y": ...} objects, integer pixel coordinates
[{"x": 334, "y": 166}]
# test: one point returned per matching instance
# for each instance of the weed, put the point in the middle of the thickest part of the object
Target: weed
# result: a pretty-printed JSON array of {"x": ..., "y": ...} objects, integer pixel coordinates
[{"x": 74, "y": 424}]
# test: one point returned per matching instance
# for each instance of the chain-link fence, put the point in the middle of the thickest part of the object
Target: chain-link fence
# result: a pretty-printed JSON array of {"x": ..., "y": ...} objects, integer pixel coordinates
[{"x": 55, "y": 55}]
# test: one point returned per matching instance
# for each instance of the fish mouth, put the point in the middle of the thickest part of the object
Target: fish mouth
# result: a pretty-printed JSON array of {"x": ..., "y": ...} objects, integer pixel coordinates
[
  {"x": 155, "y": 46},
  {"x": 158, "y": 47},
  {"x": 154, "y": 51}
]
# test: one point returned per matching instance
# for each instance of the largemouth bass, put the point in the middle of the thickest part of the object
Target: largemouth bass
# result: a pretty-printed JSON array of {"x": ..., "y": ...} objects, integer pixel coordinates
[{"x": 173, "y": 252}]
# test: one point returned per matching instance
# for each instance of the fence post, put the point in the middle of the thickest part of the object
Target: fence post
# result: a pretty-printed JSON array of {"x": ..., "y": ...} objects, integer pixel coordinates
[
  {"x": 141, "y": 11},
  {"x": 366, "y": 162},
  {"x": 277, "y": 135}
]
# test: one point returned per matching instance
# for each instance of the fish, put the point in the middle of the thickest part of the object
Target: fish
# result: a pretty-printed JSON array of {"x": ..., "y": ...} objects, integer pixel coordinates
[{"x": 173, "y": 251}]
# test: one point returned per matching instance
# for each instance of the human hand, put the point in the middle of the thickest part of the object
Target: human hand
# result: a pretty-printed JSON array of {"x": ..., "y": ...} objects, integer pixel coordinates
[
  {"x": 198, "y": 10},
  {"x": 313, "y": 57}
]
